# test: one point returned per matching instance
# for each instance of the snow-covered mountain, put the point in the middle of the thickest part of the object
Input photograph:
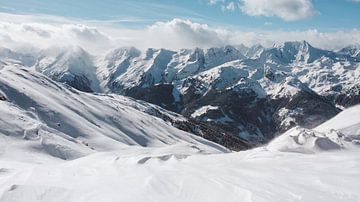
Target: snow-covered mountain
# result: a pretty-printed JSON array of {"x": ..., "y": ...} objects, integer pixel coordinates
[
  {"x": 352, "y": 50},
  {"x": 251, "y": 92},
  {"x": 73, "y": 66},
  {"x": 248, "y": 93}
]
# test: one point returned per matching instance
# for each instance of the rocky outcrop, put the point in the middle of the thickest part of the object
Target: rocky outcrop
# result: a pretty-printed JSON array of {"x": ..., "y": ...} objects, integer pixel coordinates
[
  {"x": 306, "y": 109},
  {"x": 349, "y": 97},
  {"x": 2, "y": 97}
]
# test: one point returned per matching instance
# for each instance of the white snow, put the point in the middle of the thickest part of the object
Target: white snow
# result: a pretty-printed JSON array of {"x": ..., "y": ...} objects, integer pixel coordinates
[
  {"x": 65, "y": 123},
  {"x": 346, "y": 119},
  {"x": 203, "y": 110},
  {"x": 289, "y": 115},
  {"x": 340, "y": 133},
  {"x": 138, "y": 174}
]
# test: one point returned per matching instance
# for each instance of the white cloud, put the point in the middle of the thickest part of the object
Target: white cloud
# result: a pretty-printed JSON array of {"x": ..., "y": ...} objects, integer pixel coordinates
[
  {"x": 325, "y": 40},
  {"x": 288, "y": 10},
  {"x": 24, "y": 32},
  {"x": 214, "y": 2},
  {"x": 226, "y": 5},
  {"x": 179, "y": 33},
  {"x": 18, "y": 31},
  {"x": 231, "y": 6}
]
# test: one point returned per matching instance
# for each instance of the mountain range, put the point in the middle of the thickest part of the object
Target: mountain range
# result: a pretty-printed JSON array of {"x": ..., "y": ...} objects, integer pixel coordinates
[{"x": 237, "y": 96}]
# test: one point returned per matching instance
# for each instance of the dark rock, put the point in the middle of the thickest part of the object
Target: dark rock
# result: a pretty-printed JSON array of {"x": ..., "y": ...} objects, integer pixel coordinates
[
  {"x": 160, "y": 94},
  {"x": 2, "y": 97},
  {"x": 349, "y": 97},
  {"x": 307, "y": 109}
]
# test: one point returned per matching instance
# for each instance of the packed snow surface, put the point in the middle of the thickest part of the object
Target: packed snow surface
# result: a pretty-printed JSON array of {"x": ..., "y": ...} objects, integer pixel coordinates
[
  {"x": 59, "y": 144},
  {"x": 138, "y": 174}
]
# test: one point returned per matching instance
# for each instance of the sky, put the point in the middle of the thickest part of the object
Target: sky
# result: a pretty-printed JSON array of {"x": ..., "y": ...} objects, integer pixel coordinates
[{"x": 176, "y": 24}]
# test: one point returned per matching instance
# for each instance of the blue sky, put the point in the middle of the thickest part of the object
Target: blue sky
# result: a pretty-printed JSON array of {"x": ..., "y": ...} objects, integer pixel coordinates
[
  {"x": 176, "y": 24},
  {"x": 331, "y": 15}
]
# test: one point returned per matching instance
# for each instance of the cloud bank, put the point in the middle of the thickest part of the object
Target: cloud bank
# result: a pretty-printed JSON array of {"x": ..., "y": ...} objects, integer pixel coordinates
[
  {"x": 26, "y": 32},
  {"x": 22, "y": 32},
  {"x": 288, "y": 10}
]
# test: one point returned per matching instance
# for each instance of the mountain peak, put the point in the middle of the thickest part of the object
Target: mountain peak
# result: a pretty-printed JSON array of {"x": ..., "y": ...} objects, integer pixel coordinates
[
  {"x": 293, "y": 44},
  {"x": 122, "y": 52},
  {"x": 297, "y": 51}
]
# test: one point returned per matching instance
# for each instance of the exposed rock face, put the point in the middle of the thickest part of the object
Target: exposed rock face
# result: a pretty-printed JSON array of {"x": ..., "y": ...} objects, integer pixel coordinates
[
  {"x": 81, "y": 83},
  {"x": 215, "y": 134},
  {"x": 305, "y": 109},
  {"x": 349, "y": 97},
  {"x": 160, "y": 94}
]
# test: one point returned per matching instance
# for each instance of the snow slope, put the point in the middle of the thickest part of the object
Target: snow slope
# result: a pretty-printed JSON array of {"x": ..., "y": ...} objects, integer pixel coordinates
[
  {"x": 138, "y": 175},
  {"x": 349, "y": 118},
  {"x": 40, "y": 116},
  {"x": 340, "y": 132}
]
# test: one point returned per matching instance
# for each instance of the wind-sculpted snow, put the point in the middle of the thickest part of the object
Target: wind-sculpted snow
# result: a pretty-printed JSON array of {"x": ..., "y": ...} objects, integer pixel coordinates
[{"x": 341, "y": 132}]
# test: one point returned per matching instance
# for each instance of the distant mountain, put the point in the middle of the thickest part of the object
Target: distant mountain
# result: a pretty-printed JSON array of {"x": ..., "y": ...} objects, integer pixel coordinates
[
  {"x": 353, "y": 50},
  {"x": 291, "y": 52},
  {"x": 73, "y": 66}
]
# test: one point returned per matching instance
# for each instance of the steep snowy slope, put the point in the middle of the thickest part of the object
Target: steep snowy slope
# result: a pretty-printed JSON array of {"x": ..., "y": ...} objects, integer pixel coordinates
[
  {"x": 44, "y": 116},
  {"x": 344, "y": 122},
  {"x": 73, "y": 66}
]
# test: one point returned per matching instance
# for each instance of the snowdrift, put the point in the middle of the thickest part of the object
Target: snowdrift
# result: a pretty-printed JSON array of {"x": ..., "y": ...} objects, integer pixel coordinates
[{"x": 341, "y": 132}]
